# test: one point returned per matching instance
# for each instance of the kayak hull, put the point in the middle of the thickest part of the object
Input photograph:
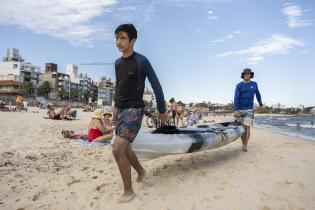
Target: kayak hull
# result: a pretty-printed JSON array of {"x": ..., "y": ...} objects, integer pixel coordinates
[{"x": 185, "y": 140}]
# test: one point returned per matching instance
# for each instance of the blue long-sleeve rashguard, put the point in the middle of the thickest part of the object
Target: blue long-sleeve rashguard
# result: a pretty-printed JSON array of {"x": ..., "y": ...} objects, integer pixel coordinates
[{"x": 244, "y": 96}]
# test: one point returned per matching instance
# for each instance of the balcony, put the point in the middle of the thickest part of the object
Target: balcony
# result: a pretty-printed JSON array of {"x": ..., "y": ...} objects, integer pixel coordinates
[{"x": 10, "y": 90}]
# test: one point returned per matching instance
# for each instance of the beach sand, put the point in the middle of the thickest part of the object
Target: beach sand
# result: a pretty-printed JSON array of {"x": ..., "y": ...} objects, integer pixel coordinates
[{"x": 41, "y": 170}]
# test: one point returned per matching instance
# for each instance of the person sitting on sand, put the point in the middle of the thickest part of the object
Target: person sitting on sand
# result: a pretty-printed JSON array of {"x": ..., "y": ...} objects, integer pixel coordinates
[
  {"x": 96, "y": 128},
  {"x": 193, "y": 117},
  {"x": 64, "y": 112},
  {"x": 180, "y": 109},
  {"x": 3, "y": 106},
  {"x": 107, "y": 119},
  {"x": 52, "y": 114}
]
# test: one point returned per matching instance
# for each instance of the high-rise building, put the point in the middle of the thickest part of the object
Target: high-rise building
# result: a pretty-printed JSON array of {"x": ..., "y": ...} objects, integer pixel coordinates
[{"x": 13, "y": 64}]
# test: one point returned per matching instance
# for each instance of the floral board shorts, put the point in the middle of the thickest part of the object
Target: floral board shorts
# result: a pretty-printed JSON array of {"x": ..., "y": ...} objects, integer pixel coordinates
[
  {"x": 246, "y": 117},
  {"x": 128, "y": 122}
]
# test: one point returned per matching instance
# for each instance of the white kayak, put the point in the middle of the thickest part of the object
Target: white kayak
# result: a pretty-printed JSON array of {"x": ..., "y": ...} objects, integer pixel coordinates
[{"x": 171, "y": 140}]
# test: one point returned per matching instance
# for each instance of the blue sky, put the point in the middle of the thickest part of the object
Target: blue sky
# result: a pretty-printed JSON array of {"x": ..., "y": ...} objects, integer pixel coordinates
[{"x": 198, "y": 48}]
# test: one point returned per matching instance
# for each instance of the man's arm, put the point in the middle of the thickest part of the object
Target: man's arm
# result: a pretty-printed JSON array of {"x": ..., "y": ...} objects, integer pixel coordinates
[
  {"x": 236, "y": 97},
  {"x": 236, "y": 101},
  {"x": 258, "y": 96},
  {"x": 116, "y": 82},
  {"x": 156, "y": 86}
]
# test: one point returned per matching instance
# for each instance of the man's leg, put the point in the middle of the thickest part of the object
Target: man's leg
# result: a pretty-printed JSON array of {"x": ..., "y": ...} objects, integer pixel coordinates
[
  {"x": 245, "y": 137},
  {"x": 120, "y": 154},
  {"x": 133, "y": 159},
  {"x": 247, "y": 134}
]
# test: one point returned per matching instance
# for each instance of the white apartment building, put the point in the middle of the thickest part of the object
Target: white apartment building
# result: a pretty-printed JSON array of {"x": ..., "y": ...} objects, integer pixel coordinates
[{"x": 13, "y": 64}]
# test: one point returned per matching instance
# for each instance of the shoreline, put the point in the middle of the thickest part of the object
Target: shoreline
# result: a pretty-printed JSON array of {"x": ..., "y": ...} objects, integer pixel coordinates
[{"x": 288, "y": 134}]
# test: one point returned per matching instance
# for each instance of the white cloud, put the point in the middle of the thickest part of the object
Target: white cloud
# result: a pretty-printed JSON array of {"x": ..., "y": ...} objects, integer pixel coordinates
[
  {"x": 275, "y": 45},
  {"x": 68, "y": 19},
  {"x": 227, "y": 37},
  {"x": 254, "y": 60},
  {"x": 210, "y": 12},
  {"x": 211, "y": 15},
  {"x": 294, "y": 14},
  {"x": 83, "y": 22}
]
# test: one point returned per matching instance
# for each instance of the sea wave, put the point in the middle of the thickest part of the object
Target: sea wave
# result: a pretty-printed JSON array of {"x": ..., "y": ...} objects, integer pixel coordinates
[
  {"x": 301, "y": 125},
  {"x": 288, "y": 133}
]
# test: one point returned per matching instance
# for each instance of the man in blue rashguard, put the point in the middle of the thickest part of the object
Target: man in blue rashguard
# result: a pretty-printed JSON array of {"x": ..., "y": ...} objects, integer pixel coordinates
[
  {"x": 131, "y": 71},
  {"x": 244, "y": 103}
]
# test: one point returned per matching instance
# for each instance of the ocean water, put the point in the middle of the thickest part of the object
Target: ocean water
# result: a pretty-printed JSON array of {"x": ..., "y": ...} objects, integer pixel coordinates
[{"x": 299, "y": 126}]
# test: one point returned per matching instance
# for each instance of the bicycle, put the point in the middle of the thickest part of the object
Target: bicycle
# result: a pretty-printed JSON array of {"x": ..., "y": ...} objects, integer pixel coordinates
[{"x": 153, "y": 120}]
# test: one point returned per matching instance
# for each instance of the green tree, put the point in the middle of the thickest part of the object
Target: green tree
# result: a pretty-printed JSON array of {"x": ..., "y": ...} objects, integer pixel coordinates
[
  {"x": 44, "y": 89},
  {"x": 61, "y": 92},
  {"x": 86, "y": 96},
  {"x": 74, "y": 95},
  {"x": 28, "y": 88}
]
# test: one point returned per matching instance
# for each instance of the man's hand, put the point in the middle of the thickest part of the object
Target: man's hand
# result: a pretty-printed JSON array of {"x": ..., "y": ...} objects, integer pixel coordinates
[
  {"x": 237, "y": 114},
  {"x": 163, "y": 117}
]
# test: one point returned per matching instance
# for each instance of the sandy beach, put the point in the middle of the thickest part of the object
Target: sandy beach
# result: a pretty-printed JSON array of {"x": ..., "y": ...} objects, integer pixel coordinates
[{"x": 41, "y": 170}]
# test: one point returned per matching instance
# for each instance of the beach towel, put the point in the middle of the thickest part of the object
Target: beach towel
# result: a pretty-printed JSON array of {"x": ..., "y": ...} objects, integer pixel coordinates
[
  {"x": 81, "y": 139},
  {"x": 84, "y": 142}
]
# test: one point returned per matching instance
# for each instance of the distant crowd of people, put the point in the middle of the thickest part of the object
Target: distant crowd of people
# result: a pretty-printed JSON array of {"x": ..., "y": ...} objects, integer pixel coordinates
[
  {"x": 20, "y": 105},
  {"x": 181, "y": 115},
  {"x": 58, "y": 114}
]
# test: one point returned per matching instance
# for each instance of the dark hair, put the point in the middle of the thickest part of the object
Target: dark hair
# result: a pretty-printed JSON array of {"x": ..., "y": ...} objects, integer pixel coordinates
[
  {"x": 129, "y": 29},
  {"x": 247, "y": 71},
  {"x": 172, "y": 100}
]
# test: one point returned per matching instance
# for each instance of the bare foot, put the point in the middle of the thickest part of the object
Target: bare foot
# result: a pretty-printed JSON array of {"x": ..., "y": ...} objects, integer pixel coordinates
[
  {"x": 245, "y": 148},
  {"x": 141, "y": 176},
  {"x": 126, "y": 197}
]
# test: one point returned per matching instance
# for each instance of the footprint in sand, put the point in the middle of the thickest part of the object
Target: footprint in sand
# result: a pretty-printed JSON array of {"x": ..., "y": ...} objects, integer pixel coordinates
[
  {"x": 202, "y": 173},
  {"x": 73, "y": 182},
  {"x": 267, "y": 197},
  {"x": 307, "y": 162},
  {"x": 224, "y": 186},
  {"x": 180, "y": 179},
  {"x": 217, "y": 197},
  {"x": 265, "y": 208},
  {"x": 85, "y": 168},
  {"x": 156, "y": 172},
  {"x": 36, "y": 196},
  {"x": 100, "y": 188},
  {"x": 42, "y": 168},
  {"x": 185, "y": 170},
  {"x": 290, "y": 184},
  {"x": 70, "y": 180}
]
